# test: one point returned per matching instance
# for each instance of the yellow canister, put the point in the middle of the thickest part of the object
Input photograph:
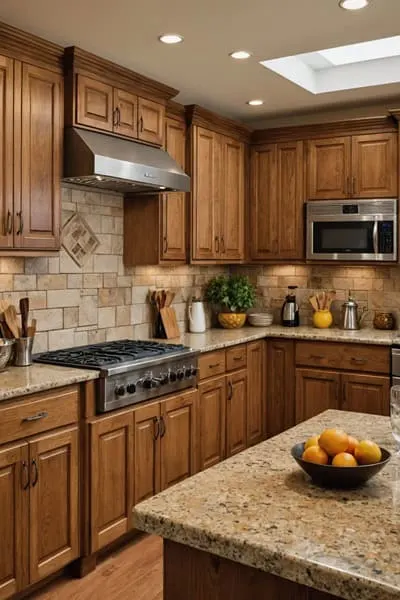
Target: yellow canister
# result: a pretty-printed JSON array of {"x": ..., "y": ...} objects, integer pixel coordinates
[{"x": 322, "y": 319}]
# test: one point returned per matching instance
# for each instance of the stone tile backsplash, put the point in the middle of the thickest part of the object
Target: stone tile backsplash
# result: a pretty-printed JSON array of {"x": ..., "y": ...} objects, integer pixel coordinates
[{"x": 103, "y": 300}]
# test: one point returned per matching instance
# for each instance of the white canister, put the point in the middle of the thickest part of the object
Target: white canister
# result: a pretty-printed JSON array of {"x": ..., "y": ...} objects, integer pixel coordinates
[{"x": 197, "y": 317}]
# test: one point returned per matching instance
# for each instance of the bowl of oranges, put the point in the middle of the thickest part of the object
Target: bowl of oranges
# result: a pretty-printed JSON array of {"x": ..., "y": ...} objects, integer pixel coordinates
[{"x": 336, "y": 459}]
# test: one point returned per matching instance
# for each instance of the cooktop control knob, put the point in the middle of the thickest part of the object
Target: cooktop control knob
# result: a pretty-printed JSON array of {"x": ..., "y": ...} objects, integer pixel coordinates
[
  {"x": 164, "y": 378},
  {"x": 180, "y": 374},
  {"x": 193, "y": 370},
  {"x": 188, "y": 372},
  {"x": 120, "y": 390},
  {"x": 172, "y": 376},
  {"x": 131, "y": 388}
]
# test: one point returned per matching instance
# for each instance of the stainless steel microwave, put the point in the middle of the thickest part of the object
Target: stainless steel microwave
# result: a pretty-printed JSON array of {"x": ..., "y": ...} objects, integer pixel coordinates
[{"x": 352, "y": 230}]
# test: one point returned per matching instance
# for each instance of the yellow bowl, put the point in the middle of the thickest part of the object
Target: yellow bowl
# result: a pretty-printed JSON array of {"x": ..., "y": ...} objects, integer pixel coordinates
[
  {"x": 232, "y": 320},
  {"x": 322, "y": 319}
]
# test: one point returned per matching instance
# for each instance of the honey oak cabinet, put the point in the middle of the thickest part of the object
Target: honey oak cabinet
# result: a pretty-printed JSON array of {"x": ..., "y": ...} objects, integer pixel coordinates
[
  {"x": 218, "y": 197},
  {"x": 212, "y": 417},
  {"x": 276, "y": 202},
  {"x": 146, "y": 481},
  {"x": 111, "y": 468},
  {"x": 31, "y": 152},
  {"x": 256, "y": 390},
  {"x": 316, "y": 391},
  {"x": 360, "y": 166},
  {"x": 280, "y": 386},
  {"x": 108, "y": 108},
  {"x": 236, "y": 412},
  {"x": 159, "y": 220},
  {"x": 365, "y": 393}
]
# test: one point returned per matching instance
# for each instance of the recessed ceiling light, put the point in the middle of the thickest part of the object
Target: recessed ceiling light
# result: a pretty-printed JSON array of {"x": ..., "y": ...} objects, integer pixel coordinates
[
  {"x": 240, "y": 54},
  {"x": 171, "y": 38},
  {"x": 353, "y": 4},
  {"x": 255, "y": 102}
]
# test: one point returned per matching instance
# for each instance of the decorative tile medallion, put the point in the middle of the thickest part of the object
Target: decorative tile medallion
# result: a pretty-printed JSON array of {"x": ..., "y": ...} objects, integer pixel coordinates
[{"x": 78, "y": 239}]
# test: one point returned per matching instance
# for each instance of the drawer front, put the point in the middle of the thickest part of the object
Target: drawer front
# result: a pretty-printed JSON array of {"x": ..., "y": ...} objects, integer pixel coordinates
[
  {"x": 212, "y": 363},
  {"x": 349, "y": 357},
  {"x": 236, "y": 358},
  {"x": 38, "y": 413}
]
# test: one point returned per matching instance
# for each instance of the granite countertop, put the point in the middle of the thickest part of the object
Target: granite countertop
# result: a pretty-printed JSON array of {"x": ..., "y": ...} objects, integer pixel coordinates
[
  {"x": 19, "y": 381},
  {"x": 214, "y": 339},
  {"x": 260, "y": 509}
]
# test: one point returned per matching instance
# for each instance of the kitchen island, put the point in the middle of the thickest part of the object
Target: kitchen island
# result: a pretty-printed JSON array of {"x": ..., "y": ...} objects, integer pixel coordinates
[{"x": 255, "y": 527}]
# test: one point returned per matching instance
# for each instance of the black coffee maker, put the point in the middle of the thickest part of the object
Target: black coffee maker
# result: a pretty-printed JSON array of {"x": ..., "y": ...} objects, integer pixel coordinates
[{"x": 290, "y": 310}]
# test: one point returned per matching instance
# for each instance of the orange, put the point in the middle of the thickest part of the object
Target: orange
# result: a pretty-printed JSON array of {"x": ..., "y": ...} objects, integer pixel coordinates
[
  {"x": 315, "y": 454},
  {"x": 353, "y": 443},
  {"x": 368, "y": 453},
  {"x": 344, "y": 459},
  {"x": 312, "y": 441},
  {"x": 334, "y": 441}
]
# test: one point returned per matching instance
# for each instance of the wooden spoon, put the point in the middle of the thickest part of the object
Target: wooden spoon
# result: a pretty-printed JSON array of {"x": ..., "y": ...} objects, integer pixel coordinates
[
  {"x": 10, "y": 315},
  {"x": 24, "y": 309},
  {"x": 32, "y": 328}
]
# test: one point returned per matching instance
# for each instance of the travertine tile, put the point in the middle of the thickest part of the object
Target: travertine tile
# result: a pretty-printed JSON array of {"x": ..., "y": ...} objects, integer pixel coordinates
[
  {"x": 123, "y": 315},
  {"x": 62, "y": 298},
  {"x": 107, "y": 317},
  {"x": 88, "y": 314},
  {"x": 39, "y": 264},
  {"x": 48, "y": 319},
  {"x": 75, "y": 281},
  {"x": 119, "y": 333},
  {"x": 6, "y": 282},
  {"x": 71, "y": 316},
  {"x": 51, "y": 282},
  {"x": 92, "y": 280},
  {"x": 106, "y": 263},
  {"x": 24, "y": 282},
  {"x": 61, "y": 338},
  {"x": 37, "y": 300}
]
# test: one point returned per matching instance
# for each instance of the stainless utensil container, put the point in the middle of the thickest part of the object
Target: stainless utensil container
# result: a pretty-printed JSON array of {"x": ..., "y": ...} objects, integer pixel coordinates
[
  {"x": 6, "y": 348},
  {"x": 23, "y": 351}
]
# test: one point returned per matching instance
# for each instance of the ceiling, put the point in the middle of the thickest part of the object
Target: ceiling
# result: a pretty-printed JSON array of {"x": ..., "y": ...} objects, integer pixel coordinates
[{"x": 126, "y": 32}]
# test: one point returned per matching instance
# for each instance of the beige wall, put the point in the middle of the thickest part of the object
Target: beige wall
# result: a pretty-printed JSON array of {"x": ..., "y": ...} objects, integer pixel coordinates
[
  {"x": 377, "y": 288},
  {"x": 104, "y": 300}
]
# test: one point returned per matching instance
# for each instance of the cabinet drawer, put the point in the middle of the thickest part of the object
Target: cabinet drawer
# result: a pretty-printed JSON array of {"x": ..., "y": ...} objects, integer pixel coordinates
[
  {"x": 38, "y": 413},
  {"x": 236, "y": 358},
  {"x": 349, "y": 357},
  {"x": 212, "y": 363}
]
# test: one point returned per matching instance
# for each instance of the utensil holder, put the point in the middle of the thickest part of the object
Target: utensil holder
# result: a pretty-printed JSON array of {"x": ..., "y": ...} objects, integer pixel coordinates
[{"x": 23, "y": 351}]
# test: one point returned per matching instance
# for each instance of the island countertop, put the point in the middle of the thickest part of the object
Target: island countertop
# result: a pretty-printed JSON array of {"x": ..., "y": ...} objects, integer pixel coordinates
[
  {"x": 20, "y": 381},
  {"x": 259, "y": 509}
]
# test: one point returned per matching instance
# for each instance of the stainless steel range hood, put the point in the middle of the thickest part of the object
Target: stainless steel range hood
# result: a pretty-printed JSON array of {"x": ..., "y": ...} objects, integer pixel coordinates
[{"x": 110, "y": 163}]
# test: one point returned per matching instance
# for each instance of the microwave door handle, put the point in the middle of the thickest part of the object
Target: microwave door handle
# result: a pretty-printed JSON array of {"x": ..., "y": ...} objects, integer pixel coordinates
[{"x": 375, "y": 237}]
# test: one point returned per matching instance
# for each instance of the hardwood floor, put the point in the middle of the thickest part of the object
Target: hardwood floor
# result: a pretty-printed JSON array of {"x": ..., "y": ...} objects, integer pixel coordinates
[{"x": 134, "y": 572}]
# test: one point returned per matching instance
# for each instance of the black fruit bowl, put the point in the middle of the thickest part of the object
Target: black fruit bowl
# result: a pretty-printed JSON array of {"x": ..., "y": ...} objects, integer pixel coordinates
[{"x": 339, "y": 477}]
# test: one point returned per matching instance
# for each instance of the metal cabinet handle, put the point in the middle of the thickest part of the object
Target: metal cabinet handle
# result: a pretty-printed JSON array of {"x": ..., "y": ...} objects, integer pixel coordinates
[
  {"x": 344, "y": 394},
  {"x": 119, "y": 115},
  {"x": 141, "y": 123},
  {"x": 26, "y": 475},
  {"x": 37, "y": 417},
  {"x": 375, "y": 241},
  {"x": 21, "y": 223},
  {"x": 358, "y": 361},
  {"x": 222, "y": 245},
  {"x": 238, "y": 358},
  {"x": 213, "y": 366},
  {"x": 156, "y": 433},
  {"x": 9, "y": 225},
  {"x": 36, "y": 473},
  {"x": 163, "y": 427},
  {"x": 115, "y": 117},
  {"x": 230, "y": 392},
  {"x": 217, "y": 244},
  {"x": 165, "y": 244},
  {"x": 316, "y": 357}
]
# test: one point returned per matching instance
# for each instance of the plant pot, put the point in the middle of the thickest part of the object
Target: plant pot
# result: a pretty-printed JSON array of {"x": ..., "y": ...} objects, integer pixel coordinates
[
  {"x": 322, "y": 319},
  {"x": 232, "y": 320}
]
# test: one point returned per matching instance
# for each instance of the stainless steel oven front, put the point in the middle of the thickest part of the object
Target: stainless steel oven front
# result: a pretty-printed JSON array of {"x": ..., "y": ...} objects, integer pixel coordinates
[{"x": 352, "y": 230}]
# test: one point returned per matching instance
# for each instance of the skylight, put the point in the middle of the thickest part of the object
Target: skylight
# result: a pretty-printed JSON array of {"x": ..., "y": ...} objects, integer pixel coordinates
[
  {"x": 365, "y": 64},
  {"x": 356, "y": 53}
]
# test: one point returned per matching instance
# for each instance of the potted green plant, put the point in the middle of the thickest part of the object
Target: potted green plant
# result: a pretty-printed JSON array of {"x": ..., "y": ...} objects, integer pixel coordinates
[{"x": 231, "y": 296}]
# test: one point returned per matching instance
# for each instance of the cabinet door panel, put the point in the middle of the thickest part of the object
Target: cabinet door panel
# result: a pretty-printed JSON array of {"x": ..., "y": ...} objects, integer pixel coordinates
[
  {"x": 6, "y": 155},
  {"x": 205, "y": 194},
  {"x": 290, "y": 200},
  {"x": 178, "y": 438},
  {"x": 366, "y": 393},
  {"x": 328, "y": 168},
  {"x": 263, "y": 203},
  {"x": 14, "y": 503},
  {"x": 256, "y": 398},
  {"x": 212, "y": 411},
  {"x": 125, "y": 111},
  {"x": 54, "y": 501},
  {"x": 236, "y": 413},
  {"x": 151, "y": 122},
  {"x": 316, "y": 391},
  {"x": 374, "y": 166},
  {"x": 111, "y": 448},
  {"x": 232, "y": 200},
  {"x": 147, "y": 452},
  {"x": 94, "y": 103},
  {"x": 173, "y": 230},
  {"x": 280, "y": 386},
  {"x": 37, "y": 219}
]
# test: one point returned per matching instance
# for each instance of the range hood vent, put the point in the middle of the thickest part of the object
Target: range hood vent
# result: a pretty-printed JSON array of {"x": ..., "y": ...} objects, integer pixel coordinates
[{"x": 110, "y": 163}]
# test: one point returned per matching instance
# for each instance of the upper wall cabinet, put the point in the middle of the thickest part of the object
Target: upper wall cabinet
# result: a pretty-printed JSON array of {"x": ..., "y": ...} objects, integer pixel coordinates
[
  {"x": 218, "y": 152},
  {"x": 104, "y": 96},
  {"x": 276, "y": 202},
  {"x": 31, "y": 96},
  {"x": 359, "y": 166}
]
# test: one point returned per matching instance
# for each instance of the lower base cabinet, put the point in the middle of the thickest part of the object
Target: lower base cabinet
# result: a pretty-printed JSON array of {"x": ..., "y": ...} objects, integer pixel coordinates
[
  {"x": 212, "y": 417},
  {"x": 365, "y": 393},
  {"x": 236, "y": 412},
  {"x": 280, "y": 387}
]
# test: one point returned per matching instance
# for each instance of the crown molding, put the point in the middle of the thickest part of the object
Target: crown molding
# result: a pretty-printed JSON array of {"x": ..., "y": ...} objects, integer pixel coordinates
[
  {"x": 360, "y": 126},
  {"x": 76, "y": 59},
  {"x": 29, "y": 48},
  {"x": 196, "y": 115},
  {"x": 174, "y": 110}
]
